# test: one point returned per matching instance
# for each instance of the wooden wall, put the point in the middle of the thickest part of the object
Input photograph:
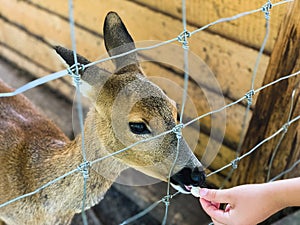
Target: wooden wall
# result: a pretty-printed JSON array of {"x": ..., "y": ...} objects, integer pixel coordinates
[{"x": 30, "y": 29}]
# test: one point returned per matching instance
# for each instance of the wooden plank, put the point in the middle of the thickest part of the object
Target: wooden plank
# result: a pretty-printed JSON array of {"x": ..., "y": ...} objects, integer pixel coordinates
[
  {"x": 24, "y": 43},
  {"x": 235, "y": 85},
  {"x": 50, "y": 28},
  {"x": 249, "y": 30},
  {"x": 231, "y": 63}
]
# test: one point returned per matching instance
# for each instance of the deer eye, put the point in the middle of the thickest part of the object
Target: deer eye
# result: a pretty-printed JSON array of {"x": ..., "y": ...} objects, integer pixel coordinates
[{"x": 139, "y": 128}]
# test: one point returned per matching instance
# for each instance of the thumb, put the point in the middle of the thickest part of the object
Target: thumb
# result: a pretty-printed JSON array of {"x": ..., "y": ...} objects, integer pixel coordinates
[{"x": 219, "y": 196}]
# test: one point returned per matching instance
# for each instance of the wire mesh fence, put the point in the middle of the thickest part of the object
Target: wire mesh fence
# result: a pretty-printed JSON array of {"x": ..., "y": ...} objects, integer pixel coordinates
[{"x": 183, "y": 38}]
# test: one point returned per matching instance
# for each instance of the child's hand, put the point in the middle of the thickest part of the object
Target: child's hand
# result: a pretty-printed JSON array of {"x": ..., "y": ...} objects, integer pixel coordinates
[{"x": 246, "y": 204}]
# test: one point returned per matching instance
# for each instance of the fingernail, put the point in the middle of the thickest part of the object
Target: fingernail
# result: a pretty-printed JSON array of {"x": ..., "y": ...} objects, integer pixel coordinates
[{"x": 203, "y": 192}]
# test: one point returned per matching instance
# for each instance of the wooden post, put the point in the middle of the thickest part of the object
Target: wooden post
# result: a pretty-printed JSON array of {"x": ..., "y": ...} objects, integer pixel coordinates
[{"x": 272, "y": 110}]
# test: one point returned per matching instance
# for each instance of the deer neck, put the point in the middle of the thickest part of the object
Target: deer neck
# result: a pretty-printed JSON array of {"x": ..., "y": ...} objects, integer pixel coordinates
[
  {"x": 101, "y": 174},
  {"x": 96, "y": 135}
]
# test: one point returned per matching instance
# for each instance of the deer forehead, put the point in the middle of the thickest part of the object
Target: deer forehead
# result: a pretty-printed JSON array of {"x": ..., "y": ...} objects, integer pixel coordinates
[{"x": 144, "y": 98}]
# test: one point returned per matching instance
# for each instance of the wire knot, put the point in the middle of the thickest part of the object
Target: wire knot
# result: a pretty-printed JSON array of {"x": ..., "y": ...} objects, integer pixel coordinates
[
  {"x": 234, "y": 163},
  {"x": 249, "y": 96},
  {"x": 285, "y": 127},
  {"x": 266, "y": 9},
  {"x": 183, "y": 38},
  {"x": 74, "y": 71},
  {"x": 177, "y": 130},
  {"x": 166, "y": 199},
  {"x": 84, "y": 169}
]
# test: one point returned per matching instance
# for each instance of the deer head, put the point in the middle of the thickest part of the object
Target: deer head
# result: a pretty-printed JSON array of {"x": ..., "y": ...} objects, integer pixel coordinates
[{"x": 128, "y": 108}]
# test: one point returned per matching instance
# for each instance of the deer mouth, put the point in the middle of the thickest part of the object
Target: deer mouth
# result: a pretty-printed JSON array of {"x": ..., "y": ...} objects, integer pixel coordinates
[{"x": 188, "y": 181}]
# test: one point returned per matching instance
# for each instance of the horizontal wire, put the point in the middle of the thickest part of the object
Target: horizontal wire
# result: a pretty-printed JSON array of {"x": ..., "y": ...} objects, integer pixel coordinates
[
  {"x": 35, "y": 83},
  {"x": 242, "y": 98},
  {"x": 237, "y": 16},
  {"x": 39, "y": 189},
  {"x": 227, "y": 19},
  {"x": 276, "y": 81},
  {"x": 283, "y": 128},
  {"x": 147, "y": 210},
  {"x": 286, "y": 171},
  {"x": 130, "y": 146},
  {"x": 131, "y": 51},
  {"x": 214, "y": 111},
  {"x": 142, "y": 213}
]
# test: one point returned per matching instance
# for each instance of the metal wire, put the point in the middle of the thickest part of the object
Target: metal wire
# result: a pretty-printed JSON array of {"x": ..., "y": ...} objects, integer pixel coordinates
[
  {"x": 77, "y": 82},
  {"x": 83, "y": 168}
]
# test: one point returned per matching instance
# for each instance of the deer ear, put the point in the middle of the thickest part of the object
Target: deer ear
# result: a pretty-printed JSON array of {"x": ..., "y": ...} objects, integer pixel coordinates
[
  {"x": 68, "y": 57},
  {"x": 92, "y": 75},
  {"x": 117, "y": 41}
]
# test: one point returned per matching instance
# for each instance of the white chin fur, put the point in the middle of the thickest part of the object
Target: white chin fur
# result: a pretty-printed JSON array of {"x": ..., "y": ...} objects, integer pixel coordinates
[
  {"x": 195, "y": 191},
  {"x": 180, "y": 189}
]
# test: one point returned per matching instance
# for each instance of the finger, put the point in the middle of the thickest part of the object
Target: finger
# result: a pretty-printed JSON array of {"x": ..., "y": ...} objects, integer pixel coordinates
[
  {"x": 216, "y": 204},
  {"x": 217, "y": 222},
  {"x": 228, "y": 207},
  {"x": 214, "y": 212},
  {"x": 221, "y": 196},
  {"x": 206, "y": 204}
]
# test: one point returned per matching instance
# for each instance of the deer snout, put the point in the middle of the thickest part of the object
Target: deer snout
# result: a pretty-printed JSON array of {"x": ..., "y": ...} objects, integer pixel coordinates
[{"x": 187, "y": 178}]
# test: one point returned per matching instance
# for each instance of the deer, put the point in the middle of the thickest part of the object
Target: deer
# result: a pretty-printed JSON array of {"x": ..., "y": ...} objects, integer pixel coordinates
[{"x": 126, "y": 108}]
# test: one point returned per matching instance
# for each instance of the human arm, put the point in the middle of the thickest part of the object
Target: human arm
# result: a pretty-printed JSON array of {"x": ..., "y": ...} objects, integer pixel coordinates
[{"x": 252, "y": 203}]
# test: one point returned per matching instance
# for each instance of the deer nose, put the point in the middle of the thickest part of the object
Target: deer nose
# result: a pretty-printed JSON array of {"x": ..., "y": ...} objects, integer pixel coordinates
[
  {"x": 198, "y": 177},
  {"x": 188, "y": 177}
]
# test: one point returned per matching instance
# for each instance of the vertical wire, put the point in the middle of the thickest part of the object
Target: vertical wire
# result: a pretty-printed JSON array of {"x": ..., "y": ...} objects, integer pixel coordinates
[
  {"x": 186, "y": 59},
  {"x": 249, "y": 94},
  {"x": 79, "y": 108},
  {"x": 281, "y": 137},
  {"x": 77, "y": 83},
  {"x": 184, "y": 97},
  {"x": 260, "y": 53}
]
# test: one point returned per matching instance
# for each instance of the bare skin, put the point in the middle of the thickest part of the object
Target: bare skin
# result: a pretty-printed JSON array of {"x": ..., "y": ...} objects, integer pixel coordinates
[{"x": 250, "y": 204}]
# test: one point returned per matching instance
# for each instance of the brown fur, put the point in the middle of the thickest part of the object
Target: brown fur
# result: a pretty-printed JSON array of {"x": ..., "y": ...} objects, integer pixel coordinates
[{"x": 33, "y": 151}]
